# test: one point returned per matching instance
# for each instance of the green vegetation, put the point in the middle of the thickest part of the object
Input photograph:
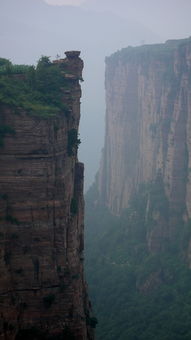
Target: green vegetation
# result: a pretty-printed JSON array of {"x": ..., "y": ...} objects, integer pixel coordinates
[
  {"x": 38, "y": 90},
  {"x": 5, "y": 130},
  {"x": 62, "y": 287},
  {"x": 73, "y": 142},
  {"x": 92, "y": 322},
  {"x": 4, "y": 197},
  {"x": 147, "y": 53},
  {"x": 137, "y": 293},
  {"x": 59, "y": 269},
  {"x": 74, "y": 206},
  {"x": 48, "y": 300},
  {"x": 12, "y": 219},
  {"x": 6, "y": 67},
  {"x": 7, "y": 257}
]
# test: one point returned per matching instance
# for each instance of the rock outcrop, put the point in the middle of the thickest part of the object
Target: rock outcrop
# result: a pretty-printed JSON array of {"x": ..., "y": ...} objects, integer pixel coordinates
[
  {"x": 139, "y": 208},
  {"x": 148, "y": 129},
  {"x": 43, "y": 294}
]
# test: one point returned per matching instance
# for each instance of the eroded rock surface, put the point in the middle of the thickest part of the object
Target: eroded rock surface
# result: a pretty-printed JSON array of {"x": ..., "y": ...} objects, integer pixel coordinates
[
  {"x": 43, "y": 294},
  {"x": 148, "y": 128}
]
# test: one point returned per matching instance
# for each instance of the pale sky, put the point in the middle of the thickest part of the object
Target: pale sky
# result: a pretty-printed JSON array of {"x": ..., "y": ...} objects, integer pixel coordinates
[
  {"x": 65, "y": 2},
  {"x": 31, "y": 28},
  {"x": 167, "y": 18}
]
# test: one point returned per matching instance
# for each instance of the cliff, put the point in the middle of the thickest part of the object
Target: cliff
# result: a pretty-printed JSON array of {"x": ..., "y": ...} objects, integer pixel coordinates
[
  {"x": 148, "y": 127},
  {"x": 138, "y": 211},
  {"x": 43, "y": 294}
]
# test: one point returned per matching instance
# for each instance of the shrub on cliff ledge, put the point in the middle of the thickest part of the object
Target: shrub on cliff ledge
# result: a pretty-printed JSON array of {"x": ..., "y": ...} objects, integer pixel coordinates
[
  {"x": 74, "y": 206},
  {"x": 48, "y": 300},
  {"x": 38, "y": 90},
  {"x": 73, "y": 142},
  {"x": 5, "y": 130}
]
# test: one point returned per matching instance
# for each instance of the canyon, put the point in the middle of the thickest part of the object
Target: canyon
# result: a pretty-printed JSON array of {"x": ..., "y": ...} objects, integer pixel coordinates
[
  {"x": 139, "y": 208},
  {"x": 43, "y": 294},
  {"x": 148, "y": 124}
]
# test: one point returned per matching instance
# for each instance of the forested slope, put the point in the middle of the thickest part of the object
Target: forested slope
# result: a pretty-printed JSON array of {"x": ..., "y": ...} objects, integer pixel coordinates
[{"x": 138, "y": 210}]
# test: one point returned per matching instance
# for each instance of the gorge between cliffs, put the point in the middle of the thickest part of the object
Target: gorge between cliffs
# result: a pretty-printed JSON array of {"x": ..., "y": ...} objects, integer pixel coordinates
[{"x": 138, "y": 211}]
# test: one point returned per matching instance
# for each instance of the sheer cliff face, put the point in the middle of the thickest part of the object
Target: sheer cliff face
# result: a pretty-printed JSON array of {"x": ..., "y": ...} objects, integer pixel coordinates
[
  {"x": 42, "y": 288},
  {"x": 148, "y": 133},
  {"x": 148, "y": 124}
]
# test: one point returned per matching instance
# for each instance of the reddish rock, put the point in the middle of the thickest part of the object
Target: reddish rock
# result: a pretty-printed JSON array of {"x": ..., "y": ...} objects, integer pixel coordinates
[{"x": 42, "y": 287}]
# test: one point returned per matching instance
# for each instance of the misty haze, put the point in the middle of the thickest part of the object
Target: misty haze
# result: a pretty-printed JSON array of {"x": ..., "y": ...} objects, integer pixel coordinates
[{"x": 95, "y": 106}]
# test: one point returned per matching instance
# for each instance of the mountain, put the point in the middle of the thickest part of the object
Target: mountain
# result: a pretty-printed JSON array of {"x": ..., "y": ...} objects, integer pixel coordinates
[
  {"x": 139, "y": 208},
  {"x": 32, "y": 28},
  {"x": 43, "y": 294}
]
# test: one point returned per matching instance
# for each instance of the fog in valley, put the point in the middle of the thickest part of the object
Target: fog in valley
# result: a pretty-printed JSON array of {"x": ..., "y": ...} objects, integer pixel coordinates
[
  {"x": 119, "y": 266},
  {"x": 31, "y": 28}
]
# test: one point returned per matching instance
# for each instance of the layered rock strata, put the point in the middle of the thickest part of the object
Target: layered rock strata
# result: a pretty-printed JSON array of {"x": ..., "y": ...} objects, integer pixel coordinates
[
  {"x": 148, "y": 128},
  {"x": 43, "y": 294}
]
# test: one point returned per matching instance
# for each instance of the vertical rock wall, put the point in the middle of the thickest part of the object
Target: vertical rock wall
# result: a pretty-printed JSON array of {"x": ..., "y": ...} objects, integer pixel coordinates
[
  {"x": 42, "y": 290},
  {"x": 148, "y": 135},
  {"x": 148, "y": 124}
]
